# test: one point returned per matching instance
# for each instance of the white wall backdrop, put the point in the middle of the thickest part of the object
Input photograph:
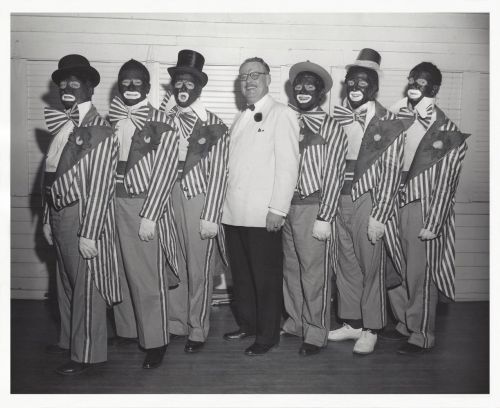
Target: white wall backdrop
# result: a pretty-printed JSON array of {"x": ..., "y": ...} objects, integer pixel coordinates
[{"x": 457, "y": 43}]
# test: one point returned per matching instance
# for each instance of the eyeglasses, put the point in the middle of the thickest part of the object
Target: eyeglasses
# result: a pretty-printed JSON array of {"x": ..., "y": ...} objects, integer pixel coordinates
[
  {"x": 253, "y": 75},
  {"x": 127, "y": 82},
  {"x": 189, "y": 85},
  {"x": 72, "y": 84}
]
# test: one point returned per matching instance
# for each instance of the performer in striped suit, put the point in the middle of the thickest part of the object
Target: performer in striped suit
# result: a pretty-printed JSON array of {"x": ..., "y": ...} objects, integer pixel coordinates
[
  {"x": 368, "y": 209},
  {"x": 146, "y": 172},
  {"x": 197, "y": 199},
  {"x": 83, "y": 223},
  {"x": 308, "y": 227},
  {"x": 434, "y": 152}
]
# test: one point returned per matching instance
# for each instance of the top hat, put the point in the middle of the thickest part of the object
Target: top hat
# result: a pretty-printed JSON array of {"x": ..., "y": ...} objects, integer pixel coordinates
[
  {"x": 315, "y": 69},
  {"x": 190, "y": 62},
  {"x": 367, "y": 58},
  {"x": 75, "y": 64}
]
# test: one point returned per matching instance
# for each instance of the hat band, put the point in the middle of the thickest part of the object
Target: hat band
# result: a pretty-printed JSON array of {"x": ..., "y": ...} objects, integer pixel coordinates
[{"x": 365, "y": 64}]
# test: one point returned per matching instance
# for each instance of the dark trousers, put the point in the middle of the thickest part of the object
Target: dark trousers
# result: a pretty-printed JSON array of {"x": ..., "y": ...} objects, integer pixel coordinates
[{"x": 256, "y": 260}]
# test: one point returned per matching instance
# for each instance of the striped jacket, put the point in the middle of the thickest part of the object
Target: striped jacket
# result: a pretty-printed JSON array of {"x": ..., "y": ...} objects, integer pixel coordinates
[
  {"x": 378, "y": 171},
  {"x": 205, "y": 169},
  {"x": 145, "y": 174},
  {"x": 85, "y": 174},
  {"x": 433, "y": 179}
]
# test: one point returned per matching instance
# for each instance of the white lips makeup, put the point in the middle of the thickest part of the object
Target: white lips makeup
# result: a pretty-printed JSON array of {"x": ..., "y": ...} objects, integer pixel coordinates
[
  {"x": 303, "y": 98},
  {"x": 355, "y": 96},
  {"x": 132, "y": 95},
  {"x": 183, "y": 96},
  {"x": 414, "y": 93},
  {"x": 68, "y": 98}
]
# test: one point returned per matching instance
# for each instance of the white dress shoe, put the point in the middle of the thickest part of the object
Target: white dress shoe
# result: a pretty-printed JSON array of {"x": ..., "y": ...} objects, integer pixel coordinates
[
  {"x": 346, "y": 332},
  {"x": 366, "y": 343}
]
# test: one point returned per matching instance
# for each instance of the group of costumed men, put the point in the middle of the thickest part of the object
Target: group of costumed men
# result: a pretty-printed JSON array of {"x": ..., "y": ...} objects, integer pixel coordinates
[{"x": 140, "y": 207}]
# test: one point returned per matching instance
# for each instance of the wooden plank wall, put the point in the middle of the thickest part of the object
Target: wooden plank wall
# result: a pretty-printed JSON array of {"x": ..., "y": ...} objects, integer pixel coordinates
[{"x": 457, "y": 43}]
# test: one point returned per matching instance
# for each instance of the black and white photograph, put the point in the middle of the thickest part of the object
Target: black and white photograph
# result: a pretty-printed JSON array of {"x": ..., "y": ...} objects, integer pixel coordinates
[{"x": 212, "y": 207}]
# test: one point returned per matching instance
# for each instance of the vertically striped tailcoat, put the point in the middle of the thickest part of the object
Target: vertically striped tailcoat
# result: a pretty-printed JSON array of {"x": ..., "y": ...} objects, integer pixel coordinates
[
  {"x": 85, "y": 174},
  {"x": 205, "y": 171},
  {"x": 152, "y": 168},
  {"x": 378, "y": 171},
  {"x": 433, "y": 178}
]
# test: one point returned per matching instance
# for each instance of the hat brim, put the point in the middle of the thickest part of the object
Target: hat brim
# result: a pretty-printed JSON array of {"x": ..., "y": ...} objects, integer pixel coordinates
[
  {"x": 315, "y": 69},
  {"x": 89, "y": 72},
  {"x": 365, "y": 64},
  {"x": 193, "y": 71}
]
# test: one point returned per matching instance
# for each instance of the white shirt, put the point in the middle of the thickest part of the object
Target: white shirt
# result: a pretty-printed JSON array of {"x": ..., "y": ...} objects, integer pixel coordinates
[
  {"x": 355, "y": 131},
  {"x": 57, "y": 145},
  {"x": 125, "y": 130},
  {"x": 200, "y": 111}
]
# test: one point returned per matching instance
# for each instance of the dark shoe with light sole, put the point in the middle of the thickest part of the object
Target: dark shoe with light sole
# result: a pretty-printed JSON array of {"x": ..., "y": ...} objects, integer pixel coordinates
[
  {"x": 307, "y": 349},
  {"x": 237, "y": 335},
  {"x": 193, "y": 346},
  {"x": 258, "y": 349},
  {"x": 154, "y": 357},
  {"x": 73, "y": 368},
  {"x": 411, "y": 349},
  {"x": 392, "y": 335},
  {"x": 55, "y": 349},
  {"x": 119, "y": 341}
]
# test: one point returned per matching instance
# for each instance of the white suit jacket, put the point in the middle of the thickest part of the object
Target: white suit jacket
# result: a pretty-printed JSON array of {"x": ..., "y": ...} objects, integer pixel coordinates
[{"x": 263, "y": 163}]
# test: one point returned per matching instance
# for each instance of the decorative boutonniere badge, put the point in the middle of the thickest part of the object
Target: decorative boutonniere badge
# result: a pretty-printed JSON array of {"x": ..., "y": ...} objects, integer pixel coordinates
[
  {"x": 438, "y": 144},
  {"x": 258, "y": 117},
  {"x": 202, "y": 141},
  {"x": 147, "y": 139},
  {"x": 79, "y": 141},
  {"x": 377, "y": 137}
]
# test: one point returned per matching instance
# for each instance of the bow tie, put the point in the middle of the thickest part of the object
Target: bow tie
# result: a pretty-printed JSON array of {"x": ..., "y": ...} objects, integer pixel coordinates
[
  {"x": 251, "y": 107},
  {"x": 56, "y": 119},
  {"x": 119, "y": 111},
  {"x": 313, "y": 119},
  {"x": 346, "y": 116},
  {"x": 187, "y": 120},
  {"x": 406, "y": 113}
]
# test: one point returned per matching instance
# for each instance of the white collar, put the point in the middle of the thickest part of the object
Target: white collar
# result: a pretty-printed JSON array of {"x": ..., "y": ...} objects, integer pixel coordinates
[
  {"x": 261, "y": 102},
  {"x": 198, "y": 108},
  {"x": 83, "y": 109},
  {"x": 423, "y": 105}
]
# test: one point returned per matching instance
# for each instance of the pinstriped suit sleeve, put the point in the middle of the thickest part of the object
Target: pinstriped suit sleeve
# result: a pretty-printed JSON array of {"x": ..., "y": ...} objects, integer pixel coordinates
[
  {"x": 333, "y": 171},
  {"x": 391, "y": 165},
  {"x": 101, "y": 185},
  {"x": 163, "y": 176},
  {"x": 443, "y": 196},
  {"x": 217, "y": 180}
]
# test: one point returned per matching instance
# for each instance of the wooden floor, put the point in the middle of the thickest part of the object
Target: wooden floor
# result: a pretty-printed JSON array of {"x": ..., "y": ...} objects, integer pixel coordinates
[{"x": 458, "y": 364}]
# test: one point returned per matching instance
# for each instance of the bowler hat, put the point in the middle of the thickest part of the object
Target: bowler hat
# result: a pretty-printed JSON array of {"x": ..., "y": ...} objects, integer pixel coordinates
[
  {"x": 367, "y": 58},
  {"x": 75, "y": 64},
  {"x": 191, "y": 62},
  {"x": 315, "y": 69}
]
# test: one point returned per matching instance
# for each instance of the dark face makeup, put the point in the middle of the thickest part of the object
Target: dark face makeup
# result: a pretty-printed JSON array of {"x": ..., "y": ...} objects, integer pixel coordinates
[
  {"x": 187, "y": 89},
  {"x": 133, "y": 86},
  {"x": 420, "y": 84},
  {"x": 360, "y": 87},
  {"x": 74, "y": 90},
  {"x": 307, "y": 91}
]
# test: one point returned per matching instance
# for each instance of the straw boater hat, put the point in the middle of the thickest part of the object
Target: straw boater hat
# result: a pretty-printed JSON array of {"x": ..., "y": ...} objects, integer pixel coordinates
[
  {"x": 190, "y": 62},
  {"x": 75, "y": 64},
  {"x": 315, "y": 69},
  {"x": 367, "y": 58}
]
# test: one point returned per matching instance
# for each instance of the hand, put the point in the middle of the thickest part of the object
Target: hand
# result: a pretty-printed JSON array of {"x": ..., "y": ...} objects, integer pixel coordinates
[
  {"x": 375, "y": 230},
  {"x": 208, "y": 229},
  {"x": 147, "y": 230},
  {"x": 47, "y": 232},
  {"x": 88, "y": 247},
  {"x": 274, "y": 222},
  {"x": 426, "y": 234},
  {"x": 322, "y": 230}
]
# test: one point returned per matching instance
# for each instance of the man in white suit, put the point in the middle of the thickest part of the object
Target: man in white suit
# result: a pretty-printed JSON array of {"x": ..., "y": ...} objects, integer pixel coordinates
[{"x": 263, "y": 171}]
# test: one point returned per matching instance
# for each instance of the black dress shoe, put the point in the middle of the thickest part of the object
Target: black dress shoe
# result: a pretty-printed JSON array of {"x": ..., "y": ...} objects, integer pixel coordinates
[
  {"x": 257, "y": 349},
  {"x": 392, "y": 335},
  {"x": 119, "y": 341},
  {"x": 307, "y": 349},
  {"x": 55, "y": 349},
  {"x": 154, "y": 357},
  {"x": 237, "y": 335},
  {"x": 73, "y": 368},
  {"x": 411, "y": 349},
  {"x": 193, "y": 346}
]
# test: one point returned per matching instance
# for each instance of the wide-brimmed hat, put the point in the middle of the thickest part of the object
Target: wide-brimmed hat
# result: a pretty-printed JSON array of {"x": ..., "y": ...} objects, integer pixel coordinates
[
  {"x": 315, "y": 69},
  {"x": 190, "y": 62},
  {"x": 367, "y": 58},
  {"x": 75, "y": 64}
]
